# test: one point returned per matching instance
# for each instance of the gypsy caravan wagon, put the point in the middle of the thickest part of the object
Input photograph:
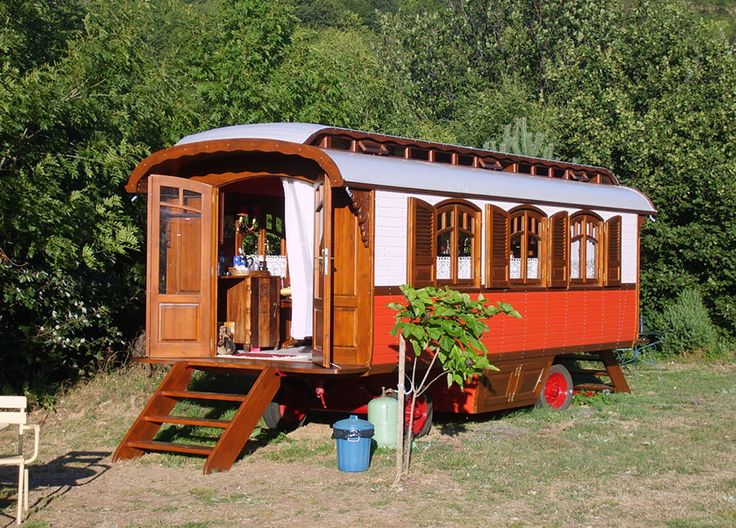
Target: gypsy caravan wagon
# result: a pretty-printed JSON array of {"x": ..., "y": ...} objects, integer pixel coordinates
[{"x": 274, "y": 250}]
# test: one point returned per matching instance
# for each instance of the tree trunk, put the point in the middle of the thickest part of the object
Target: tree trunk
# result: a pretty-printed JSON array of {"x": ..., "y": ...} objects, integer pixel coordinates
[{"x": 400, "y": 412}]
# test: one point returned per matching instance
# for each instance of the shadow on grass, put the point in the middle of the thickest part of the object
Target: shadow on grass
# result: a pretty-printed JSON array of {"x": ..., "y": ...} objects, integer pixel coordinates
[{"x": 53, "y": 479}]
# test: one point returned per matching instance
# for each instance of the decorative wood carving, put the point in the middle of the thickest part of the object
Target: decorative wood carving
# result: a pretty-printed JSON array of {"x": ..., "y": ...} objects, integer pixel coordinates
[
  {"x": 380, "y": 144},
  {"x": 361, "y": 207}
]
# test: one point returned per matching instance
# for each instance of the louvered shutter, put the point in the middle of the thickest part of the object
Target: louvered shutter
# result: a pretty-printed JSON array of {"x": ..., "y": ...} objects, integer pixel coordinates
[
  {"x": 613, "y": 251},
  {"x": 559, "y": 250},
  {"x": 421, "y": 262},
  {"x": 497, "y": 247}
]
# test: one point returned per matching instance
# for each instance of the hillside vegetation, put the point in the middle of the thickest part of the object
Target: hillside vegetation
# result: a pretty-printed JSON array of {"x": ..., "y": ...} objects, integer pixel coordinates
[{"x": 90, "y": 87}]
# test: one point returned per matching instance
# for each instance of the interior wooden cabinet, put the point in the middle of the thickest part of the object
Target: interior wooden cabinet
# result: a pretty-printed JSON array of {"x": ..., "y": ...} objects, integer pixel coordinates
[{"x": 252, "y": 303}]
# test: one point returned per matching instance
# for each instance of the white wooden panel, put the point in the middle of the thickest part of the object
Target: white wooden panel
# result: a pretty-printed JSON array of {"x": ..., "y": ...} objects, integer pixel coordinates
[
  {"x": 13, "y": 402},
  {"x": 629, "y": 248},
  {"x": 391, "y": 232},
  {"x": 15, "y": 418},
  {"x": 390, "y": 238}
]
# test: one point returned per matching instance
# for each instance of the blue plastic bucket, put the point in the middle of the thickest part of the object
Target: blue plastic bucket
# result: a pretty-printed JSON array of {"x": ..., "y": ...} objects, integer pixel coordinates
[{"x": 353, "y": 438}]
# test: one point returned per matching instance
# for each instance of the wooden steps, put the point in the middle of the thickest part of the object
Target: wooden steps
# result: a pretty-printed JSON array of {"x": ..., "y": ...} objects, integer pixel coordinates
[
  {"x": 173, "y": 389},
  {"x": 183, "y": 420},
  {"x": 212, "y": 396},
  {"x": 612, "y": 371},
  {"x": 598, "y": 387},
  {"x": 168, "y": 447}
]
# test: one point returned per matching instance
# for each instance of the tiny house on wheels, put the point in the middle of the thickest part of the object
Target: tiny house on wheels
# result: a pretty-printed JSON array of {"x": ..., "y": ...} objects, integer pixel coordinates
[{"x": 274, "y": 250}]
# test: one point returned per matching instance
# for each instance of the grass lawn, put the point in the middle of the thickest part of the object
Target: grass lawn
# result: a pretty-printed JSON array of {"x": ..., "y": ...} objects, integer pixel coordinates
[{"x": 664, "y": 455}]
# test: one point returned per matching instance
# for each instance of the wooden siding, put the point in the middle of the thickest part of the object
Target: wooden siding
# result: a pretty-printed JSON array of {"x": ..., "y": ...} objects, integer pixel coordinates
[
  {"x": 390, "y": 238},
  {"x": 391, "y": 235},
  {"x": 578, "y": 320}
]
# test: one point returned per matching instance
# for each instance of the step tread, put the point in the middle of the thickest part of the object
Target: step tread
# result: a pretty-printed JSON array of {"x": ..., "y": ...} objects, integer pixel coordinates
[
  {"x": 196, "y": 395},
  {"x": 186, "y": 420},
  {"x": 581, "y": 357},
  {"x": 594, "y": 387},
  {"x": 154, "y": 445},
  {"x": 591, "y": 372}
]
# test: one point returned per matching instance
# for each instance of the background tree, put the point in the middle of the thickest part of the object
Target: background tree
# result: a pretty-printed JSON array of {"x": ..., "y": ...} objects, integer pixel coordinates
[{"x": 89, "y": 88}]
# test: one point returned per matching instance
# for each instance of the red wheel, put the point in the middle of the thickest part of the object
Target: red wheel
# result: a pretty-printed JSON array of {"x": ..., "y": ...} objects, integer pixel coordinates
[
  {"x": 422, "y": 415},
  {"x": 557, "y": 389},
  {"x": 423, "y": 412},
  {"x": 288, "y": 410},
  {"x": 282, "y": 417}
]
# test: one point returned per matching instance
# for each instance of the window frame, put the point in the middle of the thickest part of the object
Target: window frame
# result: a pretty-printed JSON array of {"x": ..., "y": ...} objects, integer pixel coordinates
[
  {"x": 586, "y": 218},
  {"x": 458, "y": 207},
  {"x": 527, "y": 212}
]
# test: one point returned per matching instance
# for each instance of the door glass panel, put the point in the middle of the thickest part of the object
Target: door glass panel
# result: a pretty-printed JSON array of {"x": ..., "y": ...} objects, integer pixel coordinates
[
  {"x": 169, "y": 195},
  {"x": 193, "y": 199},
  {"x": 179, "y": 251}
]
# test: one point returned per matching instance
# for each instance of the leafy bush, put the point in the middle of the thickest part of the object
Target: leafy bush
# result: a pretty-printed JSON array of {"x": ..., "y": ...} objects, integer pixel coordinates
[
  {"x": 448, "y": 325},
  {"x": 685, "y": 326}
]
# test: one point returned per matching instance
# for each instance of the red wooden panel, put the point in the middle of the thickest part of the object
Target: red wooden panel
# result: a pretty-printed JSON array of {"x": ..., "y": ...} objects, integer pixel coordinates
[{"x": 550, "y": 320}]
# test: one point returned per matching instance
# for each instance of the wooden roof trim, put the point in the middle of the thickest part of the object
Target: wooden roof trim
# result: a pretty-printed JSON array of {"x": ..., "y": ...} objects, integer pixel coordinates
[
  {"x": 481, "y": 158},
  {"x": 231, "y": 146}
]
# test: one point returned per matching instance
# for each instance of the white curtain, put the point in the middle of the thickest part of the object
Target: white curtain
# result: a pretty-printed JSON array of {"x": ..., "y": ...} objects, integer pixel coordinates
[{"x": 299, "y": 220}]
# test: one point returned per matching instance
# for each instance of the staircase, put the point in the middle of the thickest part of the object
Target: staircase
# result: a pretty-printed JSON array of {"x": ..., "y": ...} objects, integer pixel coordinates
[
  {"x": 173, "y": 388},
  {"x": 610, "y": 369}
]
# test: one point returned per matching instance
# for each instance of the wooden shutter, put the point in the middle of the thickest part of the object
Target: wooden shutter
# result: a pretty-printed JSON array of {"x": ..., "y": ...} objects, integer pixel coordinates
[
  {"x": 497, "y": 247},
  {"x": 421, "y": 251},
  {"x": 613, "y": 251},
  {"x": 559, "y": 250}
]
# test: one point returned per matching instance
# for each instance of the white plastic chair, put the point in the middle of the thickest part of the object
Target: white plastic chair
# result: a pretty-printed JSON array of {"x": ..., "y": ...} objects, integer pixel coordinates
[{"x": 13, "y": 412}]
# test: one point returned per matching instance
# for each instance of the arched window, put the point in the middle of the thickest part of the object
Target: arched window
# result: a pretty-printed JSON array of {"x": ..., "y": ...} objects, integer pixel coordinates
[
  {"x": 585, "y": 248},
  {"x": 457, "y": 243},
  {"x": 526, "y": 245}
]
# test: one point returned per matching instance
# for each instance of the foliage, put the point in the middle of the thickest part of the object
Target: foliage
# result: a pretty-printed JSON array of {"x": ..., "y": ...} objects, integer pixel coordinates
[
  {"x": 35, "y": 32},
  {"x": 71, "y": 130},
  {"x": 333, "y": 76},
  {"x": 518, "y": 139},
  {"x": 656, "y": 105},
  {"x": 230, "y": 72},
  {"x": 322, "y": 14},
  {"x": 448, "y": 325},
  {"x": 89, "y": 88},
  {"x": 686, "y": 327}
]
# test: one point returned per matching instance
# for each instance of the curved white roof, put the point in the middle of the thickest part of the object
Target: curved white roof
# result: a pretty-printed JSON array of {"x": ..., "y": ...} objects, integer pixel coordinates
[
  {"x": 292, "y": 132},
  {"x": 438, "y": 178},
  {"x": 442, "y": 179}
]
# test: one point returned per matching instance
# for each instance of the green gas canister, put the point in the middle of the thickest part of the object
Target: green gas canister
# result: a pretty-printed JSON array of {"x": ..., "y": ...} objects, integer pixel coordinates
[{"x": 383, "y": 414}]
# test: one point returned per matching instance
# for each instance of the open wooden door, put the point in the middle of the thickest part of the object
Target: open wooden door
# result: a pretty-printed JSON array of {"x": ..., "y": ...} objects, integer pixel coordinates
[
  {"x": 179, "y": 291},
  {"x": 322, "y": 335}
]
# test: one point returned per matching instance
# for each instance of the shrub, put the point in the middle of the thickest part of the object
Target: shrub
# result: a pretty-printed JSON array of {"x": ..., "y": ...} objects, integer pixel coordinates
[{"x": 685, "y": 326}]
